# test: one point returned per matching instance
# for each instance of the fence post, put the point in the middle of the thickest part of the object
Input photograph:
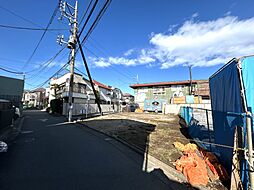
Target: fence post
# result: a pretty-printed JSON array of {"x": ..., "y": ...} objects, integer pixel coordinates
[
  {"x": 250, "y": 149},
  {"x": 208, "y": 127}
]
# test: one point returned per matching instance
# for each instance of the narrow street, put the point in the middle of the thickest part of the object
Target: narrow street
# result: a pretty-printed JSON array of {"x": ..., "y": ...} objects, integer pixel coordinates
[{"x": 52, "y": 154}]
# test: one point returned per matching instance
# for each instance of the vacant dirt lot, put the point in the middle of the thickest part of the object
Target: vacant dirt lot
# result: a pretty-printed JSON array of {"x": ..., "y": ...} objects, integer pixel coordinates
[
  {"x": 154, "y": 133},
  {"x": 150, "y": 133}
]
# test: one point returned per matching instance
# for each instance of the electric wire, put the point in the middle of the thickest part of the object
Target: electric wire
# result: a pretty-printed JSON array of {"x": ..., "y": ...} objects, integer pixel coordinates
[
  {"x": 99, "y": 16},
  {"x": 88, "y": 17},
  {"x": 86, "y": 11},
  {"x": 127, "y": 74},
  {"x": 89, "y": 31},
  {"x": 40, "y": 40},
  {"x": 113, "y": 68},
  {"x": 19, "y": 16},
  {"x": 13, "y": 72},
  {"x": 29, "y": 28},
  {"x": 43, "y": 66},
  {"x": 80, "y": 71},
  {"x": 63, "y": 67}
]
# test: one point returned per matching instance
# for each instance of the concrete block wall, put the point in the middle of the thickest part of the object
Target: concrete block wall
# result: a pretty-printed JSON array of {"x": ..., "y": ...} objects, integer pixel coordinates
[
  {"x": 175, "y": 108},
  {"x": 80, "y": 109}
]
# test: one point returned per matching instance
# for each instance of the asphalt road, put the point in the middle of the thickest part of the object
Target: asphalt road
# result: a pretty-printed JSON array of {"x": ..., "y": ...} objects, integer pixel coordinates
[{"x": 50, "y": 154}]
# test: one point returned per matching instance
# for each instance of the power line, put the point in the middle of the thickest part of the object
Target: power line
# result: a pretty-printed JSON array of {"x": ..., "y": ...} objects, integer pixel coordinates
[
  {"x": 42, "y": 84},
  {"x": 80, "y": 71},
  {"x": 102, "y": 11},
  {"x": 45, "y": 65},
  {"x": 29, "y": 28},
  {"x": 9, "y": 71},
  {"x": 106, "y": 53},
  {"x": 114, "y": 69},
  {"x": 88, "y": 17},
  {"x": 30, "y": 84},
  {"x": 86, "y": 11},
  {"x": 94, "y": 23},
  {"x": 9, "y": 68},
  {"x": 49, "y": 23},
  {"x": 99, "y": 16},
  {"x": 21, "y": 17}
]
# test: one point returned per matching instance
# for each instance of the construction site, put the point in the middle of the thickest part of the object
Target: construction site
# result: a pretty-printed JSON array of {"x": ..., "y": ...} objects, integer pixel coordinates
[{"x": 134, "y": 95}]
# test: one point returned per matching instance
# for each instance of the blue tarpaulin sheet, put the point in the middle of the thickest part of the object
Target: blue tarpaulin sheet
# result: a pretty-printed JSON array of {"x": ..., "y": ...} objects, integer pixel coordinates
[
  {"x": 226, "y": 97},
  {"x": 248, "y": 81},
  {"x": 186, "y": 113}
]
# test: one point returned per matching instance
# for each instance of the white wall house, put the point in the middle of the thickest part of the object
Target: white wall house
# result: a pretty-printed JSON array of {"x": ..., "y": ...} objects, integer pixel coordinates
[
  {"x": 83, "y": 96},
  {"x": 34, "y": 98}
]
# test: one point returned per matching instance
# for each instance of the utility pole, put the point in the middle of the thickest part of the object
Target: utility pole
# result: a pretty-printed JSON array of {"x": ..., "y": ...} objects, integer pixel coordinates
[
  {"x": 72, "y": 17},
  {"x": 24, "y": 96},
  {"x": 190, "y": 71}
]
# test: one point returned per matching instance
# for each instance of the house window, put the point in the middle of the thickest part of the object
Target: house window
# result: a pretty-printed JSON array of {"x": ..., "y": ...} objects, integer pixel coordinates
[{"x": 159, "y": 91}]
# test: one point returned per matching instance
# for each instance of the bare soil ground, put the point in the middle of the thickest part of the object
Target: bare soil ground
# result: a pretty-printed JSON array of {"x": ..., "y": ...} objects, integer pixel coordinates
[{"x": 150, "y": 132}]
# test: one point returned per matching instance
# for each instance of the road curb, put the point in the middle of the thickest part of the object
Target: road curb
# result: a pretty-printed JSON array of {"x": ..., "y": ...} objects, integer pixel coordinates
[
  {"x": 154, "y": 163},
  {"x": 16, "y": 130}
]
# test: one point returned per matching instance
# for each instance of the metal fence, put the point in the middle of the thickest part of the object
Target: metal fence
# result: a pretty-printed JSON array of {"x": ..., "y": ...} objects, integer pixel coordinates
[{"x": 200, "y": 127}]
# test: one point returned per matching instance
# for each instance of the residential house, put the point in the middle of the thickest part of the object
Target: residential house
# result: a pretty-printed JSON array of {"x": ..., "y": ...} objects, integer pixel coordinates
[
  {"x": 128, "y": 98},
  {"x": 83, "y": 96},
  {"x": 105, "y": 92},
  {"x": 35, "y": 98},
  {"x": 169, "y": 92}
]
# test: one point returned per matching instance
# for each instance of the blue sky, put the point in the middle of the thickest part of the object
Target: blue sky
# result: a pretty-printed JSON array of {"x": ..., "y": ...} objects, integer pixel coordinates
[{"x": 155, "y": 40}]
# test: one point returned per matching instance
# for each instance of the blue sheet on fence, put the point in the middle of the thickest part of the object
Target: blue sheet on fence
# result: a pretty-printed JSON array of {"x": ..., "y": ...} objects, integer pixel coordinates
[
  {"x": 248, "y": 80},
  {"x": 186, "y": 113},
  {"x": 226, "y": 97}
]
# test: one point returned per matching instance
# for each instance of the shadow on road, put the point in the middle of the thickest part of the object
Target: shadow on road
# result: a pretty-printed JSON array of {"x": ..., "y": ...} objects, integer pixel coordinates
[
  {"x": 137, "y": 135},
  {"x": 51, "y": 154}
]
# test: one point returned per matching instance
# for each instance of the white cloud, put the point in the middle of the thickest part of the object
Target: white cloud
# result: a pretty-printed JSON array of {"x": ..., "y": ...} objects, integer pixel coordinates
[
  {"x": 195, "y": 43},
  {"x": 46, "y": 64},
  {"x": 142, "y": 59},
  {"x": 129, "y": 52},
  {"x": 195, "y": 15},
  {"x": 106, "y": 62},
  {"x": 205, "y": 43},
  {"x": 145, "y": 57},
  {"x": 100, "y": 62},
  {"x": 79, "y": 64}
]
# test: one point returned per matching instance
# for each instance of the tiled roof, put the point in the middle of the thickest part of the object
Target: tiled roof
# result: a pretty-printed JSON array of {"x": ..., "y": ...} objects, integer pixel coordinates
[
  {"x": 101, "y": 85},
  {"x": 39, "y": 90},
  {"x": 127, "y": 95},
  {"x": 163, "y": 83}
]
